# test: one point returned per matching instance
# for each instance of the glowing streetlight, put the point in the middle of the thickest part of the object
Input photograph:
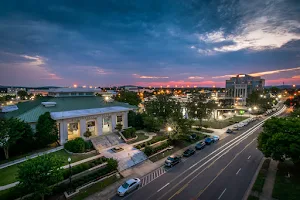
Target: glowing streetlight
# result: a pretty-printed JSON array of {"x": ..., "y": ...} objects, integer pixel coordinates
[
  {"x": 169, "y": 129},
  {"x": 249, "y": 109},
  {"x": 106, "y": 98},
  {"x": 220, "y": 117},
  {"x": 75, "y": 85},
  {"x": 255, "y": 108}
]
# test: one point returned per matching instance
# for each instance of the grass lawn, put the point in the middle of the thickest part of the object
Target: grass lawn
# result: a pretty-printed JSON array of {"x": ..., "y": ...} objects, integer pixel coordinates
[
  {"x": 223, "y": 123},
  {"x": 141, "y": 136},
  {"x": 26, "y": 154},
  {"x": 287, "y": 188},
  {"x": 260, "y": 180},
  {"x": 9, "y": 174},
  {"x": 95, "y": 188}
]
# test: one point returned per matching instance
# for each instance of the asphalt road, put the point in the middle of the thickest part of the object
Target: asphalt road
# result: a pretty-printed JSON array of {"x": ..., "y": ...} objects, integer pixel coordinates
[{"x": 222, "y": 170}]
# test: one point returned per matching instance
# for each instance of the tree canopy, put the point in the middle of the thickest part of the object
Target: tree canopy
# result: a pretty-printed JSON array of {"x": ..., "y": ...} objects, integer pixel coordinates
[
  {"x": 135, "y": 120},
  {"x": 46, "y": 130},
  {"x": 128, "y": 97},
  {"x": 11, "y": 130},
  {"x": 263, "y": 103},
  {"x": 38, "y": 175},
  {"x": 280, "y": 139},
  {"x": 22, "y": 94},
  {"x": 197, "y": 107},
  {"x": 162, "y": 107}
]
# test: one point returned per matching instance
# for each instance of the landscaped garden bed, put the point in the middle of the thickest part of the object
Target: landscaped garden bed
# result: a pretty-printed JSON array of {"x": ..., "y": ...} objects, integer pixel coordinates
[
  {"x": 9, "y": 174},
  {"x": 79, "y": 181},
  {"x": 152, "y": 141},
  {"x": 140, "y": 137},
  {"x": 261, "y": 177}
]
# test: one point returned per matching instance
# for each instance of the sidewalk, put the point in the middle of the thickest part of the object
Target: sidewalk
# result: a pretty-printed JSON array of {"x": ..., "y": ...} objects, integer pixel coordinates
[
  {"x": 269, "y": 182},
  {"x": 29, "y": 157},
  {"x": 139, "y": 170}
]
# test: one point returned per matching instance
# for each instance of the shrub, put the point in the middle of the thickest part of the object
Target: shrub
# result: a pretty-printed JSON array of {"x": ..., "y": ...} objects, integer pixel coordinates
[
  {"x": 129, "y": 133},
  {"x": 76, "y": 146},
  {"x": 88, "y": 145},
  {"x": 84, "y": 166},
  {"x": 152, "y": 150},
  {"x": 148, "y": 150}
]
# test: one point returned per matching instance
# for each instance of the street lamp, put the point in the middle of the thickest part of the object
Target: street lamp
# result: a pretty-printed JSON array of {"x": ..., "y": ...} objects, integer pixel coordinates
[
  {"x": 106, "y": 98},
  {"x": 70, "y": 172},
  {"x": 169, "y": 129},
  {"x": 255, "y": 108}
]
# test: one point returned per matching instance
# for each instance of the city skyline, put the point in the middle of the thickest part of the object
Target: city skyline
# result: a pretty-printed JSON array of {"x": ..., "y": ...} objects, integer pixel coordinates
[{"x": 148, "y": 43}]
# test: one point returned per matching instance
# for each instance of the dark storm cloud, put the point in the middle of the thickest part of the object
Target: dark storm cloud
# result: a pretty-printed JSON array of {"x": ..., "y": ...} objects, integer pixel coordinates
[{"x": 106, "y": 42}]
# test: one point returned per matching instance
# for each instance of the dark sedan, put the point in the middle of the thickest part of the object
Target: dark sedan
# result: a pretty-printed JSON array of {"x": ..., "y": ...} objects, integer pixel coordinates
[
  {"x": 188, "y": 152},
  {"x": 209, "y": 140},
  {"x": 200, "y": 145}
]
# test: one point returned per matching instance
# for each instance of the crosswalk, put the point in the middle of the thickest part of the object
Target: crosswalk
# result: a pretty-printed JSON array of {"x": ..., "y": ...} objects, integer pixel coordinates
[{"x": 153, "y": 175}]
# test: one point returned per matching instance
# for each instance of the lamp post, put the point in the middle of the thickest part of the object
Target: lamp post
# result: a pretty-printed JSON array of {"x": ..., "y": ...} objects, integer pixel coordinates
[
  {"x": 70, "y": 172},
  {"x": 249, "y": 110}
]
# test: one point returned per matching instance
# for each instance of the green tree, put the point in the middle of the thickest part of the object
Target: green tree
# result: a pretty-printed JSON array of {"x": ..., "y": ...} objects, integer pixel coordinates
[
  {"x": 22, "y": 94},
  {"x": 46, "y": 130},
  {"x": 11, "y": 130},
  {"x": 280, "y": 139},
  {"x": 179, "y": 127},
  {"x": 197, "y": 107},
  {"x": 119, "y": 127},
  {"x": 39, "y": 175},
  {"x": 263, "y": 103},
  {"x": 128, "y": 97},
  {"x": 152, "y": 123},
  {"x": 87, "y": 133},
  {"x": 295, "y": 113},
  {"x": 162, "y": 107},
  {"x": 135, "y": 120}
]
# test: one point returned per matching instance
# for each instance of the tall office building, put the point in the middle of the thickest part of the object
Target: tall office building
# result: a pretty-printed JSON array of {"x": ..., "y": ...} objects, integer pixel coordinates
[{"x": 238, "y": 88}]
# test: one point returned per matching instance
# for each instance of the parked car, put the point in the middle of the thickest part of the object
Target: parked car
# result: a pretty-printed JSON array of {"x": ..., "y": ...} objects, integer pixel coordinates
[
  {"x": 128, "y": 186},
  {"x": 215, "y": 138},
  {"x": 172, "y": 160},
  {"x": 235, "y": 128},
  {"x": 209, "y": 140},
  {"x": 200, "y": 145},
  {"x": 188, "y": 152},
  {"x": 229, "y": 131}
]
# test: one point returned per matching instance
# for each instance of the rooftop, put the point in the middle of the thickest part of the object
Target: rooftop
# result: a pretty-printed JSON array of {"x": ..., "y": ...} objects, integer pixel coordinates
[{"x": 31, "y": 110}]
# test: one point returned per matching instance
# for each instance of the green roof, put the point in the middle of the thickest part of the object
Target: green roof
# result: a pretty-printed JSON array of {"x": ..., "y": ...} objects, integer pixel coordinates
[{"x": 32, "y": 113}]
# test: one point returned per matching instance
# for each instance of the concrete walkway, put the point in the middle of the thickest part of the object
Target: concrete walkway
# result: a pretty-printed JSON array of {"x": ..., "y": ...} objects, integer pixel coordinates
[
  {"x": 29, "y": 157},
  {"x": 150, "y": 135},
  {"x": 269, "y": 182}
]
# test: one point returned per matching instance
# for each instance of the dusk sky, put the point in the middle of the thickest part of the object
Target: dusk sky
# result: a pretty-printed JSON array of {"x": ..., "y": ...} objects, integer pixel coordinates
[{"x": 148, "y": 43}]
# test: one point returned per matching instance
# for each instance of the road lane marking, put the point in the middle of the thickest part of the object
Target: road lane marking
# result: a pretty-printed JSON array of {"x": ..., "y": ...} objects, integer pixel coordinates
[
  {"x": 222, "y": 193},
  {"x": 234, "y": 142},
  {"x": 250, "y": 156},
  {"x": 163, "y": 187},
  {"x": 238, "y": 171},
  {"x": 199, "y": 194}
]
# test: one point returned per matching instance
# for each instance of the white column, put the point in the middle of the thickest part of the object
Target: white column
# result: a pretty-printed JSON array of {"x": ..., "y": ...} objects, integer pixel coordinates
[
  {"x": 82, "y": 127},
  {"x": 99, "y": 125},
  {"x": 113, "y": 122},
  {"x": 125, "y": 119},
  {"x": 63, "y": 132}
]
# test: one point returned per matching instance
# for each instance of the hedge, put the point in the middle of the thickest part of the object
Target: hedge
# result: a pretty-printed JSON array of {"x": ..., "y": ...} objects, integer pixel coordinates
[
  {"x": 76, "y": 146},
  {"x": 152, "y": 150},
  {"x": 129, "y": 133},
  {"x": 16, "y": 192},
  {"x": 84, "y": 166},
  {"x": 154, "y": 140}
]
